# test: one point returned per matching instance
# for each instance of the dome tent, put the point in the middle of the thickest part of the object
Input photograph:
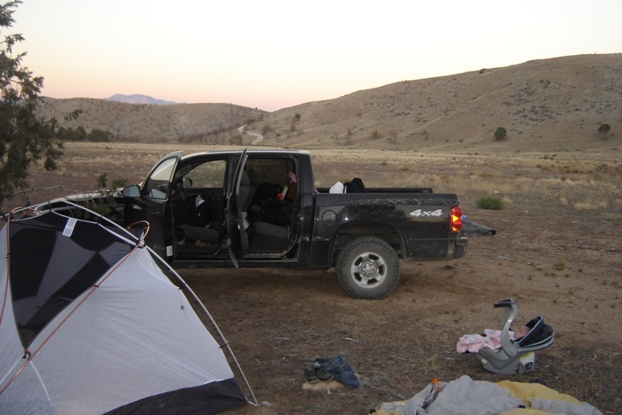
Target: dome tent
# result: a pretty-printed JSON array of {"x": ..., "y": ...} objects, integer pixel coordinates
[{"x": 90, "y": 323}]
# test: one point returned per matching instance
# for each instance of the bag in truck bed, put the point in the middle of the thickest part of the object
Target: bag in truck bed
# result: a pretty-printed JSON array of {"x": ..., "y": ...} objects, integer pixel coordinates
[{"x": 354, "y": 186}]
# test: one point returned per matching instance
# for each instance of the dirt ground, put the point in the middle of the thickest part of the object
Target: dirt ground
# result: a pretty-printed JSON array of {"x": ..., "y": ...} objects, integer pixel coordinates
[
  {"x": 561, "y": 263},
  {"x": 278, "y": 321}
]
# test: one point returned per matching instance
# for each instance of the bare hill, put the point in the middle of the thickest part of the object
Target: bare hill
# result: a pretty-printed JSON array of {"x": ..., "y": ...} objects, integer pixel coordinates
[
  {"x": 545, "y": 105},
  {"x": 549, "y": 105},
  {"x": 153, "y": 123}
]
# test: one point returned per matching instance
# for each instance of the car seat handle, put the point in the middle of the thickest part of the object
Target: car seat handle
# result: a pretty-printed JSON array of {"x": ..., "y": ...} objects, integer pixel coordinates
[
  {"x": 508, "y": 302},
  {"x": 506, "y": 322}
]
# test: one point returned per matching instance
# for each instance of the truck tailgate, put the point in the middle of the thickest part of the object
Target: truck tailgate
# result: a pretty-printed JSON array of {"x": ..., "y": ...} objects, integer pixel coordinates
[{"x": 475, "y": 229}]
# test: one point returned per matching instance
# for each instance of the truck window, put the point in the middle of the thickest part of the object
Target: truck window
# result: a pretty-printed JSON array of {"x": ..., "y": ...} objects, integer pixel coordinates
[
  {"x": 158, "y": 183},
  {"x": 210, "y": 175},
  {"x": 270, "y": 170}
]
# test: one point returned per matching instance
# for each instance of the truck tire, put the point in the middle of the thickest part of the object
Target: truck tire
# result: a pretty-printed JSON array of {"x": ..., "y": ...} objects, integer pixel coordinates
[{"x": 368, "y": 268}]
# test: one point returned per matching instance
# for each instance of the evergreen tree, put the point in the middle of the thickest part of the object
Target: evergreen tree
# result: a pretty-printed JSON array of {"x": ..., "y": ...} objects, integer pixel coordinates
[{"x": 24, "y": 137}]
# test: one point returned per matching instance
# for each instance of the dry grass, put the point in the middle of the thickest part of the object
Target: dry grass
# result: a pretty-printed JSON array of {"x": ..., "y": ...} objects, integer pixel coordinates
[
  {"x": 515, "y": 178},
  {"x": 518, "y": 179}
]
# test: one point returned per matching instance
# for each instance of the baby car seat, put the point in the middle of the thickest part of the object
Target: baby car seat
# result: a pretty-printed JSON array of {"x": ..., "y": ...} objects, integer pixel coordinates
[{"x": 516, "y": 355}]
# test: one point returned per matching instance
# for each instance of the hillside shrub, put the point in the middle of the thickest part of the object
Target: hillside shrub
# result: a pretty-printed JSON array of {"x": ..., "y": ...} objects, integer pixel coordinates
[
  {"x": 69, "y": 134},
  {"x": 604, "y": 129},
  {"x": 491, "y": 203},
  {"x": 104, "y": 201},
  {"x": 102, "y": 183},
  {"x": 236, "y": 140},
  {"x": 500, "y": 133},
  {"x": 99, "y": 136}
]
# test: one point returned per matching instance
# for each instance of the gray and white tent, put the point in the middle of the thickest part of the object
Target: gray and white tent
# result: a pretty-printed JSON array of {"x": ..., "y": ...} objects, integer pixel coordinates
[{"x": 91, "y": 324}]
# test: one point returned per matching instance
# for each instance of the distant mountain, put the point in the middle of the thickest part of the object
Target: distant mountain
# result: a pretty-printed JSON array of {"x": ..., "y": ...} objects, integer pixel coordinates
[{"x": 138, "y": 99}]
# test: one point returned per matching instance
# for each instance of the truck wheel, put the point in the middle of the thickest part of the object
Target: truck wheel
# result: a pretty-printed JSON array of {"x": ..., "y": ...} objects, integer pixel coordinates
[{"x": 368, "y": 268}]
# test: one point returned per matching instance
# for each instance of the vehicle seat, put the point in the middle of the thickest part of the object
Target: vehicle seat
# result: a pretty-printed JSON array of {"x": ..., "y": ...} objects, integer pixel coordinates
[
  {"x": 247, "y": 189},
  {"x": 269, "y": 229},
  {"x": 199, "y": 220},
  {"x": 199, "y": 233},
  {"x": 268, "y": 238}
]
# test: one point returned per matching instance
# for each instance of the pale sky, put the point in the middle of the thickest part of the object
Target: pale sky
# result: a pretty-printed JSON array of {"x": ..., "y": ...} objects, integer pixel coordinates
[{"x": 273, "y": 54}]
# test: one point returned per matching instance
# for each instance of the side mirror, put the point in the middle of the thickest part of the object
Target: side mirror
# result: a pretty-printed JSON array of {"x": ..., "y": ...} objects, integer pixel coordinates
[{"x": 131, "y": 191}]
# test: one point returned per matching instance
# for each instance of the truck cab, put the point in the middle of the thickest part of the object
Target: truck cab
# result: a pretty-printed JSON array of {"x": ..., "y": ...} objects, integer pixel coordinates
[{"x": 223, "y": 207}]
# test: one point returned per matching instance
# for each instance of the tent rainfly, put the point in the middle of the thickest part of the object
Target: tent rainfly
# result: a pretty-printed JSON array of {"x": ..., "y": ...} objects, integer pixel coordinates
[{"x": 90, "y": 324}]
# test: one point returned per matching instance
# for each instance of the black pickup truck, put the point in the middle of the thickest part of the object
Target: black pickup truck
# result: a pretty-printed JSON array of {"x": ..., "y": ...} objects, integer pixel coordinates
[{"x": 260, "y": 208}]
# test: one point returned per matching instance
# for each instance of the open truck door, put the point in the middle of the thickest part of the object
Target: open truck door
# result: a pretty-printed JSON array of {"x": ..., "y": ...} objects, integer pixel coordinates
[
  {"x": 149, "y": 202},
  {"x": 237, "y": 240}
]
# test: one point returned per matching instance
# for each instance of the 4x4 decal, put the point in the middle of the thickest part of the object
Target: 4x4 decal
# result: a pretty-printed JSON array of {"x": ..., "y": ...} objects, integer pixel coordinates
[{"x": 420, "y": 213}]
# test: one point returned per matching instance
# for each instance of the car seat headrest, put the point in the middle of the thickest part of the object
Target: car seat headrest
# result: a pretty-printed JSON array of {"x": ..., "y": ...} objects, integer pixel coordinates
[{"x": 538, "y": 333}]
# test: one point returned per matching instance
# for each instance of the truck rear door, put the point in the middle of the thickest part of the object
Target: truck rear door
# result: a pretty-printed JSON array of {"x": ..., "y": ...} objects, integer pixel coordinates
[{"x": 237, "y": 240}]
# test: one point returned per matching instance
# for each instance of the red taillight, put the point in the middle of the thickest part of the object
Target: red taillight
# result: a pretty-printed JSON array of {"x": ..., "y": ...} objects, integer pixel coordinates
[{"x": 456, "y": 219}]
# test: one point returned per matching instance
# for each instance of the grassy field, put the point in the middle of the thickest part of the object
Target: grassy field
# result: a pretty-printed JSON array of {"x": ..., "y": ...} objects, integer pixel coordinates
[{"x": 576, "y": 181}]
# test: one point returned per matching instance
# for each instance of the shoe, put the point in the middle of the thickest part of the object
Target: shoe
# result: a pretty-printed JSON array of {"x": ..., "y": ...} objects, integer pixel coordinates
[
  {"x": 323, "y": 375},
  {"x": 339, "y": 368},
  {"x": 310, "y": 376}
]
